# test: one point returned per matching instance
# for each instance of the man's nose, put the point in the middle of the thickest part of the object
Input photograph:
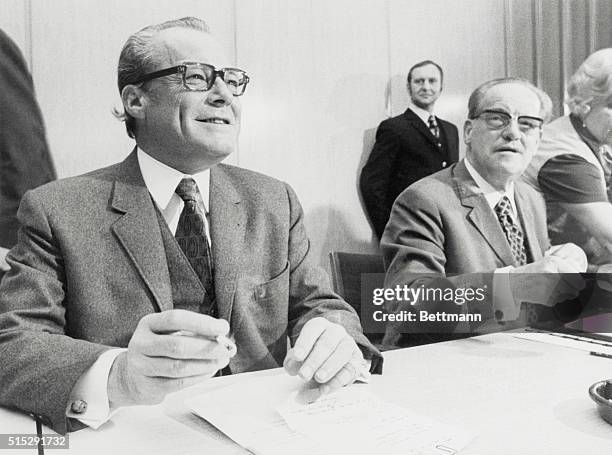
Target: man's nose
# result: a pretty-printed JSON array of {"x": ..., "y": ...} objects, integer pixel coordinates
[
  {"x": 512, "y": 130},
  {"x": 219, "y": 94}
]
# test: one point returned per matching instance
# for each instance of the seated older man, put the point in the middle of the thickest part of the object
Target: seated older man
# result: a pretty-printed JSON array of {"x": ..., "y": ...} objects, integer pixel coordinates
[
  {"x": 126, "y": 282},
  {"x": 475, "y": 225}
]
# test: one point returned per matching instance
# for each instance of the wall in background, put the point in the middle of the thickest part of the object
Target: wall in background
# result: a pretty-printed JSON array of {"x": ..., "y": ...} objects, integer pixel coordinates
[{"x": 324, "y": 74}]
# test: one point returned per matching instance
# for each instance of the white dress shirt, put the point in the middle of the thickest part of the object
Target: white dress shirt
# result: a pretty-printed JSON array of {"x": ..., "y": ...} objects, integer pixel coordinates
[
  {"x": 422, "y": 113},
  {"x": 161, "y": 181}
]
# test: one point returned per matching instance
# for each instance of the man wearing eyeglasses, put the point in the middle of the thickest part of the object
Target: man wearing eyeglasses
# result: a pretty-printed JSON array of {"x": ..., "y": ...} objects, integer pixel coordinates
[
  {"x": 192, "y": 267},
  {"x": 476, "y": 226}
]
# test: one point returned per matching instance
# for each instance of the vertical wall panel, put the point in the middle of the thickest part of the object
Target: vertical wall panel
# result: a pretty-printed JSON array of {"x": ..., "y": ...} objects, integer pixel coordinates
[
  {"x": 319, "y": 71},
  {"x": 76, "y": 45}
]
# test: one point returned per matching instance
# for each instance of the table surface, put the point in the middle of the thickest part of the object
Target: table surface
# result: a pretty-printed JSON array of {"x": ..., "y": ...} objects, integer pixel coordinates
[{"x": 518, "y": 396}]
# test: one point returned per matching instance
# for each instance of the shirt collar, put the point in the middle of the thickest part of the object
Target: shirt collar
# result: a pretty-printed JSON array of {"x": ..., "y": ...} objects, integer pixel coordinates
[
  {"x": 492, "y": 195},
  {"x": 421, "y": 113},
  {"x": 161, "y": 180}
]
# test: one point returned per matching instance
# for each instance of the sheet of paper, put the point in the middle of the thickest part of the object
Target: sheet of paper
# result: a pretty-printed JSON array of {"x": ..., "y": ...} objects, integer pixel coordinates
[{"x": 270, "y": 416}]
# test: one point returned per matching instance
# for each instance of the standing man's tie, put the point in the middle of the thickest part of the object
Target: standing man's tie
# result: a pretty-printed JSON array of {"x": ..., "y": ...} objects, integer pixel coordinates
[
  {"x": 433, "y": 126},
  {"x": 513, "y": 230},
  {"x": 191, "y": 237}
]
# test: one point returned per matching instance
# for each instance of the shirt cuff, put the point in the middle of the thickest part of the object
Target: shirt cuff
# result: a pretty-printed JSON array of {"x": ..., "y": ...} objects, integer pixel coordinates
[
  {"x": 504, "y": 306},
  {"x": 88, "y": 401}
]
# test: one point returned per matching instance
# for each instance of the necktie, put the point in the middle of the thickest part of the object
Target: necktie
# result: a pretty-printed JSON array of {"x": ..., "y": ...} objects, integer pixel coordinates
[
  {"x": 191, "y": 237},
  {"x": 433, "y": 126},
  {"x": 513, "y": 231}
]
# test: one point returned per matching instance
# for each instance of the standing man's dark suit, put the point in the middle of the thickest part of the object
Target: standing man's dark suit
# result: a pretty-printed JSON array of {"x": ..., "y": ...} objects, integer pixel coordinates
[
  {"x": 405, "y": 151},
  {"x": 24, "y": 156}
]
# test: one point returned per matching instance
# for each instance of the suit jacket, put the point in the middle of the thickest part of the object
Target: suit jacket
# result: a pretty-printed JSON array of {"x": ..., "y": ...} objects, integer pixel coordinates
[
  {"x": 405, "y": 151},
  {"x": 443, "y": 226},
  {"x": 90, "y": 263},
  {"x": 24, "y": 156}
]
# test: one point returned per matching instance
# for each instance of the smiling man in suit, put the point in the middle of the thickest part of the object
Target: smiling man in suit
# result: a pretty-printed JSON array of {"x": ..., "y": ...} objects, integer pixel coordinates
[
  {"x": 163, "y": 255},
  {"x": 476, "y": 225},
  {"x": 408, "y": 147}
]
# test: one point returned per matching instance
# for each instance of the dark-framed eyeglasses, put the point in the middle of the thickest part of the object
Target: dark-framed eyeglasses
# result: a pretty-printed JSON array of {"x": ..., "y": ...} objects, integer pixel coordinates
[
  {"x": 497, "y": 120},
  {"x": 200, "y": 77}
]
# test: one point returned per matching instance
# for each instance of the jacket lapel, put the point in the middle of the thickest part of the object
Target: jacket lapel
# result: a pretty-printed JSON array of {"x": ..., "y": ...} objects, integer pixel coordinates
[
  {"x": 418, "y": 124},
  {"x": 227, "y": 232},
  {"x": 138, "y": 231},
  {"x": 480, "y": 214}
]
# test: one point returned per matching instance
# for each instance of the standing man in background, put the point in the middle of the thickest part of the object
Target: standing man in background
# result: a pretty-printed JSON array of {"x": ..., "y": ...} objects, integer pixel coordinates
[
  {"x": 408, "y": 147},
  {"x": 25, "y": 162}
]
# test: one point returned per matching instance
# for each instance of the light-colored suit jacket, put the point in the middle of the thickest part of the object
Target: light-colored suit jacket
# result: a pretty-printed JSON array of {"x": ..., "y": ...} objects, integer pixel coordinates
[
  {"x": 442, "y": 225},
  {"x": 90, "y": 263}
]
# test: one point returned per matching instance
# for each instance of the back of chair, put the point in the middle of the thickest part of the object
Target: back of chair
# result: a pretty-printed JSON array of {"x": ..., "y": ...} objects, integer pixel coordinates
[{"x": 347, "y": 270}]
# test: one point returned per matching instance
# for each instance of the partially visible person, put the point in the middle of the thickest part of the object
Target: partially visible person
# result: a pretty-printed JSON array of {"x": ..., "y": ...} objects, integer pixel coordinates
[
  {"x": 25, "y": 162},
  {"x": 408, "y": 147},
  {"x": 475, "y": 225},
  {"x": 573, "y": 164}
]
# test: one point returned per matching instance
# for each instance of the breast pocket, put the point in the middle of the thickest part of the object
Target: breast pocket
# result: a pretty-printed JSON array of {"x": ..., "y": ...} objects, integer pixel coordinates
[{"x": 265, "y": 304}]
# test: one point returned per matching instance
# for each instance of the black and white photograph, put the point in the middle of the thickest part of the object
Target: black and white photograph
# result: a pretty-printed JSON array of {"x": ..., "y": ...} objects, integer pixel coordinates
[{"x": 305, "y": 227}]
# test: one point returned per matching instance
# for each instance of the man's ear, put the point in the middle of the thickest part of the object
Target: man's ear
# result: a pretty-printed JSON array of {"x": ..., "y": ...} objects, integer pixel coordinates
[
  {"x": 134, "y": 101},
  {"x": 467, "y": 131}
]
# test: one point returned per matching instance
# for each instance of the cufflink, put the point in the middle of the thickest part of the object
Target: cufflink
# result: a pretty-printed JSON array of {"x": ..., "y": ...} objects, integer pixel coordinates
[
  {"x": 78, "y": 406},
  {"x": 443, "y": 163}
]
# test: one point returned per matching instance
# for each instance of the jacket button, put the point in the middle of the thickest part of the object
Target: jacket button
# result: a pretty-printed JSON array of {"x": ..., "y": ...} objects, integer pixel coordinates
[
  {"x": 78, "y": 406},
  {"x": 261, "y": 293}
]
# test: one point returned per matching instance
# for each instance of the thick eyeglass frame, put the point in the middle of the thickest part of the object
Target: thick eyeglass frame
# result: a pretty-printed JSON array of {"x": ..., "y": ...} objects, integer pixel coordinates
[
  {"x": 237, "y": 90},
  {"x": 507, "y": 118}
]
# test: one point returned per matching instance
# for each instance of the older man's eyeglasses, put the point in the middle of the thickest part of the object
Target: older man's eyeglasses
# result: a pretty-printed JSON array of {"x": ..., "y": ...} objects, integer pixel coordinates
[
  {"x": 200, "y": 77},
  {"x": 497, "y": 120}
]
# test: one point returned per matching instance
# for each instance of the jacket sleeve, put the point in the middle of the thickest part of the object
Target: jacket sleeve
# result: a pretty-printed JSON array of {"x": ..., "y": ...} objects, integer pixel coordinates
[
  {"x": 40, "y": 363},
  {"x": 310, "y": 293},
  {"x": 377, "y": 174}
]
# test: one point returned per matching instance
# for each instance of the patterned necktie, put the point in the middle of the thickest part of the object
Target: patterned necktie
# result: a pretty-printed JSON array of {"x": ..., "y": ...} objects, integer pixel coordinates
[
  {"x": 433, "y": 126},
  {"x": 513, "y": 231},
  {"x": 191, "y": 237}
]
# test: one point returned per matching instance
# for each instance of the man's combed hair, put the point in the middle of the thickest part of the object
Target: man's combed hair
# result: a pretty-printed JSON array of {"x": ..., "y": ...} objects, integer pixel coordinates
[
  {"x": 591, "y": 83},
  {"x": 475, "y": 101},
  {"x": 138, "y": 58}
]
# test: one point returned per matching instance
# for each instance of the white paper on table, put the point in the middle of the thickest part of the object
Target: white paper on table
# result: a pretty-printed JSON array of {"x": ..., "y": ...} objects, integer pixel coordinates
[
  {"x": 353, "y": 420},
  {"x": 264, "y": 417}
]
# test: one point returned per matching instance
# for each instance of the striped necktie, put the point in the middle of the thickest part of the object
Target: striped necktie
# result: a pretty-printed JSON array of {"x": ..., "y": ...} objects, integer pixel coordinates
[{"x": 433, "y": 126}]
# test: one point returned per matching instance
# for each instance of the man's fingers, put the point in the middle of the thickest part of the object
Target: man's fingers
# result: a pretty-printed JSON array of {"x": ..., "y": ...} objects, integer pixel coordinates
[
  {"x": 163, "y": 367},
  {"x": 186, "y": 321},
  {"x": 309, "y": 335},
  {"x": 323, "y": 348},
  {"x": 336, "y": 361},
  {"x": 345, "y": 376},
  {"x": 185, "y": 347}
]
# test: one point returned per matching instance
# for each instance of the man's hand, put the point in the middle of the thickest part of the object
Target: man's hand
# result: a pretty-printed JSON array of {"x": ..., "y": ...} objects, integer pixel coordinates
[
  {"x": 552, "y": 279},
  {"x": 325, "y": 353},
  {"x": 168, "y": 351},
  {"x": 4, "y": 267}
]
